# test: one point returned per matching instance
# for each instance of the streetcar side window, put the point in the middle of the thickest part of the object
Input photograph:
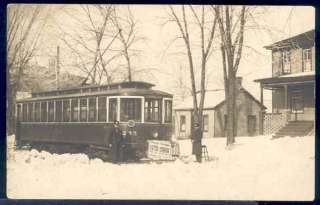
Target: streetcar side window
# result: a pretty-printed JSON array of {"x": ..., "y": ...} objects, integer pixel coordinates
[
  {"x": 66, "y": 110},
  {"x": 37, "y": 112},
  {"x": 19, "y": 112},
  {"x": 24, "y": 112},
  {"x": 102, "y": 109},
  {"x": 130, "y": 109},
  {"x": 92, "y": 110},
  {"x": 83, "y": 109},
  {"x": 74, "y": 110},
  {"x": 51, "y": 111},
  {"x": 43, "y": 111},
  {"x": 152, "y": 110},
  {"x": 30, "y": 112},
  {"x": 113, "y": 105},
  {"x": 168, "y": 111},
  {"x": 58, "y": 111}
]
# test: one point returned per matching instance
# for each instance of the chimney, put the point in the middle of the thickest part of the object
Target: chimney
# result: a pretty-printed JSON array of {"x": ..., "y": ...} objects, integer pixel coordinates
[{"x": 238, "y": 82}]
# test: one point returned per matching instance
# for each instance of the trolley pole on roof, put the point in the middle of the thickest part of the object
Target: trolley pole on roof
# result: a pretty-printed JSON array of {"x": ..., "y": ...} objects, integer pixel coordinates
[{"x": 58, "y": 68}]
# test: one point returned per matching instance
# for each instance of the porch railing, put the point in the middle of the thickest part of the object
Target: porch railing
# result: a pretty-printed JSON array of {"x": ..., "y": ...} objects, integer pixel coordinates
[{"x": 273, "y": 122}]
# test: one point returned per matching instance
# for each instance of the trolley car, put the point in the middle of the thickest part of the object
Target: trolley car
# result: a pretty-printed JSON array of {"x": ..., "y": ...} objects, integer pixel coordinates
[{"x": 80, "y": 119}]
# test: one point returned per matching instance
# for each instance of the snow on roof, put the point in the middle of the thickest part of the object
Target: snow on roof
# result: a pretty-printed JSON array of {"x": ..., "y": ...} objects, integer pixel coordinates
[
  {"x": 298, "y": 74},
  {"x": 211, "y": 100}
]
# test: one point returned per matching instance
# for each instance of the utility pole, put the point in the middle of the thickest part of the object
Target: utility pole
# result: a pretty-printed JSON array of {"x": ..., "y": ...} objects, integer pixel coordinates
[{"x": 58, "y": 68}]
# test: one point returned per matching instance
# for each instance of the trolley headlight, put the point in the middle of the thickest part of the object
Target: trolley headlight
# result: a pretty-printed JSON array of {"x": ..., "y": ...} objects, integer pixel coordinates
[{"x": 155, "y": 134}]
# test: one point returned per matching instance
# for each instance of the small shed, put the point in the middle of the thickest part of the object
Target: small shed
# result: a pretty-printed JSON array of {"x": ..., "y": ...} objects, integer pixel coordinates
[{"x": 249, "y": 114}]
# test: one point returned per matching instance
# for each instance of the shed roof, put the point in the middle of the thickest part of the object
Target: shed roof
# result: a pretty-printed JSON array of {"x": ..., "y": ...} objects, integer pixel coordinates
[{"x": 213, "y": 99}]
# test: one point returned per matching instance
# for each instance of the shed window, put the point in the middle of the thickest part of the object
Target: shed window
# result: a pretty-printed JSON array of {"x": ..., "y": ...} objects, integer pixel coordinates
[
  {"x": 130, "y": 109},
  {"x": 92, "y": 109},
  {"x": 66, "y": 110},
  {"x": 44, "y": 112},
  {"x": 74, "y": 110},
  {"x": 182, "y": 123},
  {"x": 83, "y": 110},
  {"x": 306, "y": 60},
  {"x": 205, "y": 123},
  {"x": 152, "y": 110},
  {"x": 168, "y": 111},
  {"x": 102, "y": 109},
  {"x": 37, "y": 112},
  {"x": 51, "y": 111},
  {"x": 59, "y": 111}
]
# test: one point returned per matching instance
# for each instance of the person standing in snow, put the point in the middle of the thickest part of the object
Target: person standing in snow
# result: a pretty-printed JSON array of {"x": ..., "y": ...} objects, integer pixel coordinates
[
  {"x": 116, "y": 139},
  {"x": 196, "y": 142}
]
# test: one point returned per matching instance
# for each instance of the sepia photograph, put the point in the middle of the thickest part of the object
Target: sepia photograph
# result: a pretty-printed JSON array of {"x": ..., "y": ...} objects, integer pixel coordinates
[{"x": 174, "y": 102}]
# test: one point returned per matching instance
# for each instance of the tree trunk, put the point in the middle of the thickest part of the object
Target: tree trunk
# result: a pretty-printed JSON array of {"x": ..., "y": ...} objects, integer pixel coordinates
[{"x": 231, "y": 110}]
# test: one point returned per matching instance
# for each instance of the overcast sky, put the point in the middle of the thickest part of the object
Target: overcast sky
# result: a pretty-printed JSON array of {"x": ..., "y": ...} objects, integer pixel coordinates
[{"x": 277, "y": 23}]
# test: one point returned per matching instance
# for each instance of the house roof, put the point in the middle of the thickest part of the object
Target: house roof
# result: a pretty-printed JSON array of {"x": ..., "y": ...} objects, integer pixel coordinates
[
  {"x": 213, "y": 99},
  {"x": 295, "y": 77},
  {"x": 303, "y": 40}
]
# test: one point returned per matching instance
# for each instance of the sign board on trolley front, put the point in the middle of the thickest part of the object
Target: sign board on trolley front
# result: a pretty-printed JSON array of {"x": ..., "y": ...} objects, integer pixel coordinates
[{"x": 159, "y": 150}]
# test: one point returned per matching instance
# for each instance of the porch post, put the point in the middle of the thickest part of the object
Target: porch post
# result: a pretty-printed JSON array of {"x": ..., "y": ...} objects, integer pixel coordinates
[
  {"x": 261, "y": 114},
  {"x": 286, "y": 102}
]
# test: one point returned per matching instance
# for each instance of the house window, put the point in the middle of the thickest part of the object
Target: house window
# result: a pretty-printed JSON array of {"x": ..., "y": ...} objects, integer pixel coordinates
[
  {"x": 205, "y": 123},
  {"x": 66, "y": 110},
  {"x": 102, "y": 109},
  {"x": 286, "y": 65},
  {"x": 130, "y": 109},
  {"x": 152, "y": 110},
  {"x": 92, "y": 109},
  {"x": 182, "y": 123},
  {"x": 168, "y": 111},
  {"x": 306, "y": 60}
]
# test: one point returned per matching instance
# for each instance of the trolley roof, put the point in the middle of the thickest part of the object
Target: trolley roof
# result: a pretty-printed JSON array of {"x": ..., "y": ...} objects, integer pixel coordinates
[{"x": 133, "y": 88}]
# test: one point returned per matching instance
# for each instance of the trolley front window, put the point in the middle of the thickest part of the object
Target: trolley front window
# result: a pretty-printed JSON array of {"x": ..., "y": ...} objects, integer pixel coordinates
[
  {"x": 19, "y": 112},
  {"x": 152, "y": 110},
  {"x": 130, "y": 109},
  {"x": 24, "y": 112},
  {"x": 102, "y": 105},
  {"x": 30, "y": 112},
  {"x": 113, "y": 109}
]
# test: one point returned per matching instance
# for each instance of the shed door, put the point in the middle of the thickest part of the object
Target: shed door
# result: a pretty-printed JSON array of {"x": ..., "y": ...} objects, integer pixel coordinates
[{"x": 252, "y": 120}]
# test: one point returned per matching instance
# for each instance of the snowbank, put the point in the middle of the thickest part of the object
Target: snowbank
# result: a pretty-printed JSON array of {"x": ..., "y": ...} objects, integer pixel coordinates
[{"x": 255, "y": 168}]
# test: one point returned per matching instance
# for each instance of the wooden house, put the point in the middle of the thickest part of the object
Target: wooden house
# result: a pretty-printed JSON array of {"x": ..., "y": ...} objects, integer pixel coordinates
[
  {"x": 293, "y": 86},
  {"x": 248, "y": 114}
]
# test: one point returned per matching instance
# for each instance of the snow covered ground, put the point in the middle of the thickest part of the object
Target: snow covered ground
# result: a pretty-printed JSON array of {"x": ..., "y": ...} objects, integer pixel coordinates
[{"x": 255, "y": 168}]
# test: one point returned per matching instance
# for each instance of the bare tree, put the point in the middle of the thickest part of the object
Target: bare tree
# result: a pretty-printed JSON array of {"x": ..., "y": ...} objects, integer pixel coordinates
[
  {"x": 206, "y": 26},
  {"x": 91, "y": 41},
  {"x": 126, "y": 26},
  {"x": 23, "y": 33},
  {"x": 231, "y": 20}
]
